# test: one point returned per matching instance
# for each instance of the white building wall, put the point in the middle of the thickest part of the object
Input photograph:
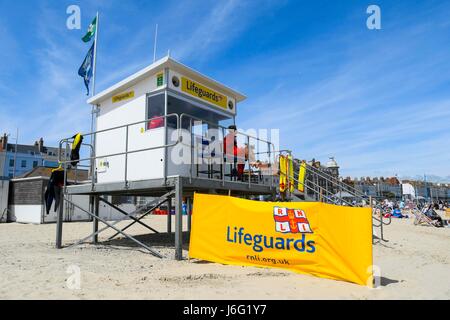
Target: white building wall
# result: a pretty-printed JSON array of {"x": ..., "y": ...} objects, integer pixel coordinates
[
  {"x": 141, "y": 165},
  {"x": 26, "y": 213},
  {"x": 4, "y": 188},
  {"x": 35, "y": 214}
]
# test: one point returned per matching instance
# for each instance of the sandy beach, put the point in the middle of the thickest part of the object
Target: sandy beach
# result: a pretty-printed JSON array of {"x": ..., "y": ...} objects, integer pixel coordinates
[{"x": 414, "y": 264}]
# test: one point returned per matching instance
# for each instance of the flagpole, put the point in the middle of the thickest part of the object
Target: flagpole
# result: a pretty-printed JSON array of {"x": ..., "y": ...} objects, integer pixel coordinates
[{"x": 94, "y": 76}]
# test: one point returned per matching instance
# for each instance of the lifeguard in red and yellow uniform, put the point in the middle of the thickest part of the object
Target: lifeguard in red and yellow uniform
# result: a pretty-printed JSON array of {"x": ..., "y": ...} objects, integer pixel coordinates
[{"x": 231, "y": 150}]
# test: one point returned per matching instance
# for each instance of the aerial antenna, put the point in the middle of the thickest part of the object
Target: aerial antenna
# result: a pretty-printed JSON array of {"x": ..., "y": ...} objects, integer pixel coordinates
[
  {"x": 168, "y": 53},
  {"x": 156, "y": 39}
]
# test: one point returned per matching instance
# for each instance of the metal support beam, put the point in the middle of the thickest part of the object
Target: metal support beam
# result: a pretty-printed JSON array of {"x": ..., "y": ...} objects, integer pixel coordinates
[
  {"x": 148, "y": 209},
  {"x": 91, "y": 203},
  {"x": 95, "y": 220},
  {"x": 59, "y": 222},
  {"x": 113, "y": 224},
  {"x": 156, "y": 254},
  {"x": 179, "y": 219},
  {"x": 128, "y": 215},
  {"x": 189, "y": 210},
  {"x": 137, "y": 220},
  {"x": 169, "y": 216}
]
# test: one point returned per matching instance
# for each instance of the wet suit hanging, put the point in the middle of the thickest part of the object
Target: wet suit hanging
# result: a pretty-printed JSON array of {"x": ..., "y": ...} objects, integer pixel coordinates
[
  {"x": 75, "y": 152},
  {"x": 54, "y": 188}
]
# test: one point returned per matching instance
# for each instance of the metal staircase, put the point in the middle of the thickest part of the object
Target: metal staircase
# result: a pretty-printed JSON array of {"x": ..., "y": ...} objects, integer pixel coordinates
[{"x": 322, "y": 187}]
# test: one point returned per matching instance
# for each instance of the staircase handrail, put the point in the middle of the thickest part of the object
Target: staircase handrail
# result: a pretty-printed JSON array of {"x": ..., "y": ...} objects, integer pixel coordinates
[{"x": 335, "y": 181}]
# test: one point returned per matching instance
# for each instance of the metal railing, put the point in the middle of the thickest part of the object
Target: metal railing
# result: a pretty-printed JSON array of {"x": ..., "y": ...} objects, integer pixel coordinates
[
  {"x": 328, "y": 194},
  {"x": 192, "y": 144},
  {"x": 219, "y": 156},
  {"x": 79, "y": 165},
  {"x": 67, "y": 141},
  {"x": 379, "y": 221},
  {"x": 318, "y": 192},
  {"x": 335, "y": 181},
  {"x": 333, "y": 188}
]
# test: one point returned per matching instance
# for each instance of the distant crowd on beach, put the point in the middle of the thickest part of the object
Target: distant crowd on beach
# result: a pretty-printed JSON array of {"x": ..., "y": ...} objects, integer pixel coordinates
[
  {"x": 410, "y": 204},
  {"x": 399, "y": 209}
]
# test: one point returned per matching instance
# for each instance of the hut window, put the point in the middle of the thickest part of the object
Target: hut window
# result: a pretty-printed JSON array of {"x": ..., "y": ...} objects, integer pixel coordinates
[{"x": 155, "y": 111}]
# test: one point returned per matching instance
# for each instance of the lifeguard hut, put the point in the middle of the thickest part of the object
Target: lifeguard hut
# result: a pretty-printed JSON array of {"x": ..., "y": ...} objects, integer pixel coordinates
[
  {"x": 163, "y": 133},
  {"x": 159, "y": 133}
]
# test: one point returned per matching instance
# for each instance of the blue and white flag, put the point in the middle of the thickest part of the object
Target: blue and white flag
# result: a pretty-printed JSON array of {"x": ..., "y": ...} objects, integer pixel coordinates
[{"x": 87, "y": 67}]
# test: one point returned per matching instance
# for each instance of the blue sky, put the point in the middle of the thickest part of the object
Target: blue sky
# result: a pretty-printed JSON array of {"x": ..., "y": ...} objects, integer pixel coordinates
[{"x": 377, "y": 100}]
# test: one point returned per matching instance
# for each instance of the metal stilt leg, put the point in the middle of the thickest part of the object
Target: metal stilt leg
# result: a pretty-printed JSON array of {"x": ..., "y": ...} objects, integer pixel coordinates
[
  {"x": 59, "y": 222},
  {"x": 189, "y": 210},
  {"x": 95, "y": 220},
  {"x": 179, "y": 219},
  {"x": 169, "y": 216}
]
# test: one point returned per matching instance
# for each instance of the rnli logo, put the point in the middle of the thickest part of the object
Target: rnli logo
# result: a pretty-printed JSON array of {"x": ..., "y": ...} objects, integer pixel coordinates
[{"x": 291, "y": 221}]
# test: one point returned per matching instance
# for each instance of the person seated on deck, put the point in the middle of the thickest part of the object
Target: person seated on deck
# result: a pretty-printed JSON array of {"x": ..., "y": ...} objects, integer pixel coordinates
[
  {"x": 262, "y": 168},
  {"x": 244, "y": 155},
  {"x": 230, "y": 149}
]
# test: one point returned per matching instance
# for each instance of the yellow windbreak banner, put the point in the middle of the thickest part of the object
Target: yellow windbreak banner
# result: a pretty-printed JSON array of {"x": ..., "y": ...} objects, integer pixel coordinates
[{"x": 324, "y": 240}]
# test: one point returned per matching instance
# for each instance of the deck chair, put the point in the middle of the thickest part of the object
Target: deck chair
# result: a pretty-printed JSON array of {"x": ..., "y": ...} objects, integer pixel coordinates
[{"x": 422, "y": 219}]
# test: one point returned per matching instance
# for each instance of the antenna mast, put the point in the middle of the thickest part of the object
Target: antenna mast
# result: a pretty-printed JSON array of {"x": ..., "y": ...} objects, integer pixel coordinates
[{"x": 154, "y": 47}]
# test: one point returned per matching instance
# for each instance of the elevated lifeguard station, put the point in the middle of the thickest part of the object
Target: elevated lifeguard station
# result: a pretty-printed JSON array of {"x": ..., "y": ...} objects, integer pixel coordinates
[
  {"x": 160, "y": 133},
  {"x": 164, "y": 133}
]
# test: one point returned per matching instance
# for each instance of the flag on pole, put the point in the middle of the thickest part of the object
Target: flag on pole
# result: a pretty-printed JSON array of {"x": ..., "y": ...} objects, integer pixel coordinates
[
  {"x": 92, "y": 29},
  {"x": 86, "y": 68}
]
